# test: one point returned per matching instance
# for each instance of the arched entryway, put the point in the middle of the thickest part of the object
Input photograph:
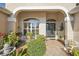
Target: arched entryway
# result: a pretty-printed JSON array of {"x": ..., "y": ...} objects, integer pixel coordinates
[{"x": 23, "y": 13}]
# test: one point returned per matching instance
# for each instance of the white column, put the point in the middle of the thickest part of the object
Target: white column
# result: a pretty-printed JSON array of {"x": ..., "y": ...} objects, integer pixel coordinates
[
  {"x": 22, "y": 27},
  {"x": 11, "y": 24},
  {"x": 31, "y": 27},
  {"x": 42, "y": 27},
  {"x": 35, "y": 31},
  {"x": 68, "y": 30}
]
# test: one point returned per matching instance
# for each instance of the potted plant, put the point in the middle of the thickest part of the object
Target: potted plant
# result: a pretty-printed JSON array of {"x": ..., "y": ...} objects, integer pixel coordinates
[
  {"x": 1, "y": 39},
  {"x": 29, "y": 35},
  {"x": 2, "y": 35},
  {"x": 71, "y": 45}
]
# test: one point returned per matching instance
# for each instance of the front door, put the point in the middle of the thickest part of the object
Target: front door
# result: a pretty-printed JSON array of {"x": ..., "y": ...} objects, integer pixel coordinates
[{"x": 50, "y": 29}]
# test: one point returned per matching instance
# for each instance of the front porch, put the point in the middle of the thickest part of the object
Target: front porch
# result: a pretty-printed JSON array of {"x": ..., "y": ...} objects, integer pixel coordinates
[
  {"x": 48, "y": 23},
  {"x": 55, "y": 48},
  {"x": 59, "y": 27}
]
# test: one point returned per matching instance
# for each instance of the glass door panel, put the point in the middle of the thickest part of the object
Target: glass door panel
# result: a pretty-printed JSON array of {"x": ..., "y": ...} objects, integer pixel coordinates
[
  {"x": 33, "y": 31},
  {"x": 31, "y": 26},
  {"x": 50, "y": 29}
]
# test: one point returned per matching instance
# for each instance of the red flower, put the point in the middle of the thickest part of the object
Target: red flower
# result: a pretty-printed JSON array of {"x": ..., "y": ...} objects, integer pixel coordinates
[{"x": 1, "y": 34}]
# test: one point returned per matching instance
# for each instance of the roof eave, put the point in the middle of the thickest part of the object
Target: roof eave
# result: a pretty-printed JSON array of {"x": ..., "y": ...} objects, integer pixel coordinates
[
  {"x": 74, "y": 10},
  {"x": 6, "y": 11}
]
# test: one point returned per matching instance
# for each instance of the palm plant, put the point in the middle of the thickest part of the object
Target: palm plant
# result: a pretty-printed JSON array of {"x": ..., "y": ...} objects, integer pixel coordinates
[{"x": 11, "y": 39}]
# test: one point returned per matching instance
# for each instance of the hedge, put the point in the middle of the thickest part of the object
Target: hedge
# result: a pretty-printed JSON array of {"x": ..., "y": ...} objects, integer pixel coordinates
[{"x": 37, "y": 46}]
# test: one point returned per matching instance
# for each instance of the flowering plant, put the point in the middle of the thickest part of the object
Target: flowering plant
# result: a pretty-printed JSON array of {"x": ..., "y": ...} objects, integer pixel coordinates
[{"x": 2, "y": 34}]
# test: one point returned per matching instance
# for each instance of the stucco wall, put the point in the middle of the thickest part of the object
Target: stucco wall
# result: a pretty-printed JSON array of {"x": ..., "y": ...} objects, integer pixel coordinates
[
  {"x": 3, "y": 22},
  {"x": 32, "y": 14},
  {"x": 76, "y": 27}
]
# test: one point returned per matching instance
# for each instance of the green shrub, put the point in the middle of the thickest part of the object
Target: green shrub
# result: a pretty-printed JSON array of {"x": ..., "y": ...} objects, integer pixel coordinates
[
  {"x": 29, "y": 34},
  {"x": 36, "y": 47},
  {"x": 1, "y": 43},
  {"x": 11, "y": 39},
  {"x": 75, "y": 52}
]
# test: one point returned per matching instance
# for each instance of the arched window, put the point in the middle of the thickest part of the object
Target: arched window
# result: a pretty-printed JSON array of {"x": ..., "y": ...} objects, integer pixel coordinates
[
  {"x": 33, "y": 21},
  {"x": 31, "y": 25}
]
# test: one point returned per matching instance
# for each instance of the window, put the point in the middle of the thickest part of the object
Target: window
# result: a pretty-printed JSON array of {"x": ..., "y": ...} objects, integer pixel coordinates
[
  {"x": 77, "y": 4},
  {"x": 31, "y": 25},
  {"x": 2, "y": 5}
]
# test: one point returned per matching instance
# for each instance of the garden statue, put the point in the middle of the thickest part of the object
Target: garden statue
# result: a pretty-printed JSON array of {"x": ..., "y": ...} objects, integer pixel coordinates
[{"x": 6, "y": 50}]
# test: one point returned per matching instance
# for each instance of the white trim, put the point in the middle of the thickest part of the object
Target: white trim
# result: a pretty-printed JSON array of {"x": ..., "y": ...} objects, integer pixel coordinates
[
  {"x": 35, "y": 31},
  {"x": 31, "y": 27},
  {"x": 40, "y": 8}
]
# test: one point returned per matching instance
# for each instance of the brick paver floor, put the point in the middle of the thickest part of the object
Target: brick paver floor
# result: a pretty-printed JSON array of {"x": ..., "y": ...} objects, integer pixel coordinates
[{"x": 55, "y": 48}]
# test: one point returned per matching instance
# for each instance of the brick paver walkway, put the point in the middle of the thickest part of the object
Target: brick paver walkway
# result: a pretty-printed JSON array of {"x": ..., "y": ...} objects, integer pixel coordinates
[{"x": 54, "y": 48}]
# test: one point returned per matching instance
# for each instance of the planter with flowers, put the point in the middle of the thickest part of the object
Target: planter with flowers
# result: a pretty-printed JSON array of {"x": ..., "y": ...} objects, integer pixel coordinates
[
  {"x": 1, "y": 35},
  {"x": 1, "y": 40}
]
